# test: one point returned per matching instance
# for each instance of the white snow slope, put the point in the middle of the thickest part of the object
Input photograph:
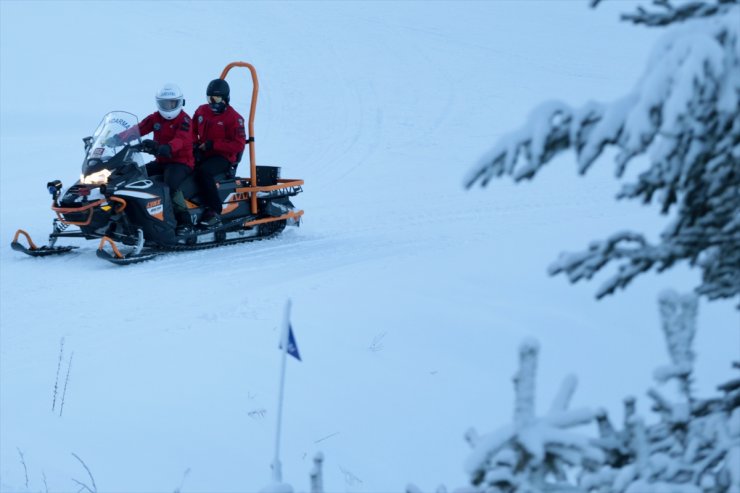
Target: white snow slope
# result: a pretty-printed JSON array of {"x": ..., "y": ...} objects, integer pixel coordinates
[{"x": 410, "y": 295}]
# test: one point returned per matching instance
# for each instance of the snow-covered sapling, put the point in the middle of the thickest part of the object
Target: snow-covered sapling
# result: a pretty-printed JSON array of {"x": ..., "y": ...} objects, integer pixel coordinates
[{"x": 533, "y": 453}]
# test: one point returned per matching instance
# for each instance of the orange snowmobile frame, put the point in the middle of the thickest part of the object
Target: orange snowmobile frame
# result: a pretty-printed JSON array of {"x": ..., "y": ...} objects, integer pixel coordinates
[
  {"x": 252, "y": 189},
  {"x": 87, "y": 207}
]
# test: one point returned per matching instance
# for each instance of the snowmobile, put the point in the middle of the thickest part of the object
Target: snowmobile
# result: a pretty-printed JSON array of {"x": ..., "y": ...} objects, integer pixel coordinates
[{"x": 116, "y": 202}]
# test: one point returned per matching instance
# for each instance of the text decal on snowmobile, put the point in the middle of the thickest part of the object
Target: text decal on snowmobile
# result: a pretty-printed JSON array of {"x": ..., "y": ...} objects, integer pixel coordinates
[{"x": 156, "y": 209}]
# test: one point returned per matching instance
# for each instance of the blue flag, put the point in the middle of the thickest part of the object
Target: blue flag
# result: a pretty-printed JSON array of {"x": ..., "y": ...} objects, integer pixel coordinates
[{"x": 292, "y": 346}]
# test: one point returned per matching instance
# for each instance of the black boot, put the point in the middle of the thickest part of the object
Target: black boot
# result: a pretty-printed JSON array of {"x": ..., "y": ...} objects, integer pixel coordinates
[
  {"x": 182, "y": 215},
  {"x": 210, "y": 218},
  {"x": 184, "y": 223}
]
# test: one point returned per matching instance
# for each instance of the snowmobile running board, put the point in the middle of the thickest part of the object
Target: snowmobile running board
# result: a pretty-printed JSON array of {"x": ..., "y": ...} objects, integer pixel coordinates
[{"x": 34, "y": 250}]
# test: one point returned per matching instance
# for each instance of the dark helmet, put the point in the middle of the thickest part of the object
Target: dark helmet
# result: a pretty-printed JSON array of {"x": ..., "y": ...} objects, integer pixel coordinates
[
  {"x": 218, "y": 87},
  {"x": 218, "y": 95}
]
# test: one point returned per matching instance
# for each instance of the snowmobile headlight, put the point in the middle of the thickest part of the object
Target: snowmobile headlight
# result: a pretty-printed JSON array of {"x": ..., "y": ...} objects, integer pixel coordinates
[{"x": 99, "y": 178}]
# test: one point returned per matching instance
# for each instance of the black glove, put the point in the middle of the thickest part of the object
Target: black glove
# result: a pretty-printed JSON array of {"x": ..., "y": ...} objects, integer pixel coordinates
[
  {"x": 149, "y": 146},
  {"x": 164, "y": 150},
  {"x": 208, "y": 145}
]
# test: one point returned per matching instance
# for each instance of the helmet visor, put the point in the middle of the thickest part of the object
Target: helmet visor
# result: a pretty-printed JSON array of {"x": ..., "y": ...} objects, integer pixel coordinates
[{"x": 168, "y": 104}]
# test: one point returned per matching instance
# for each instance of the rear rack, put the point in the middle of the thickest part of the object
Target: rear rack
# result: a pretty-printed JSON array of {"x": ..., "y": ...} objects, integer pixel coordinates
[{"x": 257, "y": 191}]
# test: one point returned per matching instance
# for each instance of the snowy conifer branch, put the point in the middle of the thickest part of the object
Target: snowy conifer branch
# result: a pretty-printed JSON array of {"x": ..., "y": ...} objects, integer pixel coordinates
[
  {"x": 533, "y": 453},
  {"x": 678, "y": 316},
  {"x": 524, "y": 382},
  {"x": 685, "y": 114},
  {"x": 671, "y": 14}
]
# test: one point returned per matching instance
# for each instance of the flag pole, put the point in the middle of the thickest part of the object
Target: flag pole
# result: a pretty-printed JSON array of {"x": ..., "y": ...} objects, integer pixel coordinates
[{"x": 277, "y": 474}]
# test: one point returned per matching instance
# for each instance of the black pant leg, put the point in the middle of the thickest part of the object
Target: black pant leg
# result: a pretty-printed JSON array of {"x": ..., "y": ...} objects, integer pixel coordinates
[
  {"x": 174, "y": 175},
  {"x": 205, "y": 174},
  {"x": 154, "y": 168}
]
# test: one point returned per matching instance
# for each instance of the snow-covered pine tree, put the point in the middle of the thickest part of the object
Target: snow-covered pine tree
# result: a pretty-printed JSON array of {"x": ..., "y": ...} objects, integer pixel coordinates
[
  {"x": 684, "y": 113},
  {"x": 693, "y": 447}
]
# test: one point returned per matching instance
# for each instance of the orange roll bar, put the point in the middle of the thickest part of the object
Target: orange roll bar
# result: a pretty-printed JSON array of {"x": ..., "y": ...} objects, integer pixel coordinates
[{"x": 252, "y": 109}]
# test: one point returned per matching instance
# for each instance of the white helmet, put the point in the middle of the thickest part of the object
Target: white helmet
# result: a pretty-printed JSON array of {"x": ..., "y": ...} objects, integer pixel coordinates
[{"x": 169, "y": 101}]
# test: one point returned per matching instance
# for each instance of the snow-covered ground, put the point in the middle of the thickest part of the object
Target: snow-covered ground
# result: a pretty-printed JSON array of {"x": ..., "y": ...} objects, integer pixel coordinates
[{"x": 410, "y": 294}]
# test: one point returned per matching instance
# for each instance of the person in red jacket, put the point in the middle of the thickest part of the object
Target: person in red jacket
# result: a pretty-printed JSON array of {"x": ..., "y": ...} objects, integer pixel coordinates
[
  {"x": 220, "y": 140},
  {"x": 172, "y": 146}
]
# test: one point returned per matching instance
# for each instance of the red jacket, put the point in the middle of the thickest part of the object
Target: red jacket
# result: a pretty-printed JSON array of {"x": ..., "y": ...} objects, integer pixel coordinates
[
  {"x": 225, "y": 130},
  {"x": 176, "y": 132}
]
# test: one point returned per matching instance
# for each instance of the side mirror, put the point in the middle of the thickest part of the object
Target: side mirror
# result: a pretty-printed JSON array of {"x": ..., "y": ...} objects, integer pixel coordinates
[
  {"x": 88, "y": 142},
  {"x": 54, "y": 188}
]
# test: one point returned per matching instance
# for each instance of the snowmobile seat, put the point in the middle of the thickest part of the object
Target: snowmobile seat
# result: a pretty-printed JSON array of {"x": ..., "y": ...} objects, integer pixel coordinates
[{"x": 227, "y": 176}]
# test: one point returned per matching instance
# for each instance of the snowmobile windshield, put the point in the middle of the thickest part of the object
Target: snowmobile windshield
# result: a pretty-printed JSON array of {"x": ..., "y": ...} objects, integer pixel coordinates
[{"x": 107, "y": 148}]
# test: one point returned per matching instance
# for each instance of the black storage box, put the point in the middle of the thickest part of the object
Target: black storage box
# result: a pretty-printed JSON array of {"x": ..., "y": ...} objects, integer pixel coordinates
[{"x": 267, "y": 175}]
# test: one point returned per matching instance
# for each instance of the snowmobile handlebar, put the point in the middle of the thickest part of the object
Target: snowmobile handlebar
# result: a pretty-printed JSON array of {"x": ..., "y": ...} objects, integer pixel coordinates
[{"x": 148, "y": 146}]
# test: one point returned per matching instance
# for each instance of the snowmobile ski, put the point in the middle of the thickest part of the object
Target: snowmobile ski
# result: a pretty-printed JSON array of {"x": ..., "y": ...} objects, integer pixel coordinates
[
  {"x": 138, "y": 254},
  {"x": 36, "y": 251}
]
